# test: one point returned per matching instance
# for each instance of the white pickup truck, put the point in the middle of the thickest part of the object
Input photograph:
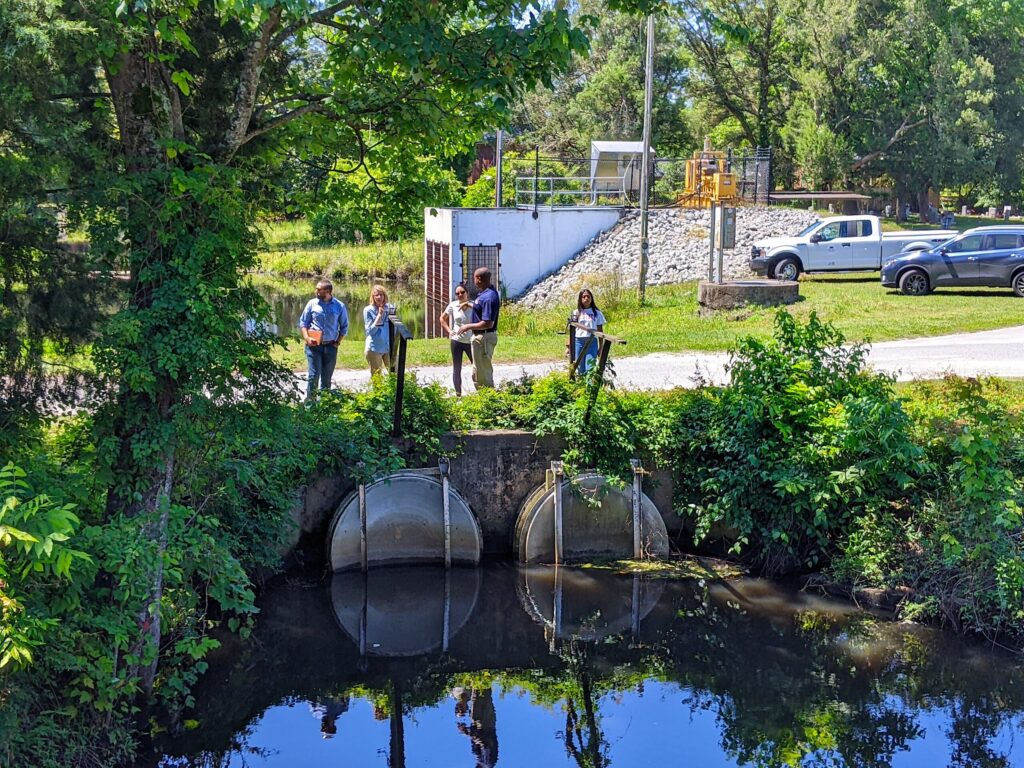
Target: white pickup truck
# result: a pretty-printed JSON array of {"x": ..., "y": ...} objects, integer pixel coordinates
[{"x": 839, "y": 244}]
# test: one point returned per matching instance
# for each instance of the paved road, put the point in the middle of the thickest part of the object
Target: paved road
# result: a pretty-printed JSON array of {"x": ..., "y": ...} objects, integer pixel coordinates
[{"x": 994, "y": 353}]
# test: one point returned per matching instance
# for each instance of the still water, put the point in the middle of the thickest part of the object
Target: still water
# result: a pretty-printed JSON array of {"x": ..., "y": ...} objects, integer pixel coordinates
[
  {"x": 525, "y": 667},
  {"x": 288, "y": 297}
]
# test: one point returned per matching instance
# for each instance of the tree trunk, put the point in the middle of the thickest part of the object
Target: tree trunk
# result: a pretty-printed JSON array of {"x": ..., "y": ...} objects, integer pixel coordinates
[
  {"x": 923, "y": 204},
  {"x": 900, "y": 198},
  {"x": 148, "y": 112}
]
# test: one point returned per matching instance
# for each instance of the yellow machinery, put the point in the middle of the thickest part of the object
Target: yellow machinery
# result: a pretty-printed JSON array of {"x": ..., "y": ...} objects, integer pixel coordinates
[{"x": 707, "y": 179}]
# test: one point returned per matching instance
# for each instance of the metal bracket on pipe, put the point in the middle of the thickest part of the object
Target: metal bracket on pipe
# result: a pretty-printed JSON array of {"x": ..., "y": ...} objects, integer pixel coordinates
[
  {"x": 557, "y": 471},
  {"x": 363, "y": 553},
  {"x": 445, "y": 466},
  {"x": 635, "y": 497}
]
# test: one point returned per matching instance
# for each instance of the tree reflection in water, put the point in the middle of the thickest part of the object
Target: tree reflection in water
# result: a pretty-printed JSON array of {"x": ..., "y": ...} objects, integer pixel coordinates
[
  {"x": 583, "y": 738},
  {"x": 790, "y": 679},
  {"x": 482, "y": 728}
]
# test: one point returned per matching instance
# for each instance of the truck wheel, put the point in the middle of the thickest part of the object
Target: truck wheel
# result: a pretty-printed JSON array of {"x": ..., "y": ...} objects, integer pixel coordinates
[
  {"x": 787, "y": 269},
  {"x": 1018, "y": 284},
  {"x": 914, "y": 282}
]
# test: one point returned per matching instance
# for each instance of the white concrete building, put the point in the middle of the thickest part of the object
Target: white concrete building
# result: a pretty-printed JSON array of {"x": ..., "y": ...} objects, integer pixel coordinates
[{"x": 519, "y": 245}]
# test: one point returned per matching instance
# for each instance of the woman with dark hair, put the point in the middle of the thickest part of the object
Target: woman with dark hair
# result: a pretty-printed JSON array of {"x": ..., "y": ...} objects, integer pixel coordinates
[
  {"x": 459, "y": 312},
  {"x": 590, "y": 317}
]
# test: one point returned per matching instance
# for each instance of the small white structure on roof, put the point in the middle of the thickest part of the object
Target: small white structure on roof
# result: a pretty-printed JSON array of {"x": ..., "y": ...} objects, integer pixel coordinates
[{"x": 615, "y": 166}]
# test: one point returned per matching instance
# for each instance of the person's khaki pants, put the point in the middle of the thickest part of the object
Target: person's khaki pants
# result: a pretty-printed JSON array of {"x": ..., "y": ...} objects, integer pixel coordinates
[
  {"x": 379, "y": 362},
  {"x": 483, "y": 350}
]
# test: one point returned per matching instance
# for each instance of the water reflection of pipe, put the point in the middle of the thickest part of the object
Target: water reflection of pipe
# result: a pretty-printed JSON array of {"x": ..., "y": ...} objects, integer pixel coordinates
[
  {"x": 404, "y": 610},
  {"x": 573, "y": 603},
  {"x": 447, "y": 630},
  {"x": 634, "y": 623}
]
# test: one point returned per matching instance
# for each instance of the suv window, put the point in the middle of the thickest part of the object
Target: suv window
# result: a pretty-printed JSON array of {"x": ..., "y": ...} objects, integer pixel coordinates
[
  {"x": 1001, "y": 241},
  {"x": 969, "y": 243}
]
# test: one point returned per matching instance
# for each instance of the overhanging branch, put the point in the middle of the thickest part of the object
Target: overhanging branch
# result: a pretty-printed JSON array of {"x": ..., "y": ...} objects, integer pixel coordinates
[{"x": 902, "y": 131}]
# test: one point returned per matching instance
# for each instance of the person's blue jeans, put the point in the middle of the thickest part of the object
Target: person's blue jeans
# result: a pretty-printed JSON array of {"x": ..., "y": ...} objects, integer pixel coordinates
[
  {"x": 321, "y": 360},
  {"x": 587, "y": 348}
]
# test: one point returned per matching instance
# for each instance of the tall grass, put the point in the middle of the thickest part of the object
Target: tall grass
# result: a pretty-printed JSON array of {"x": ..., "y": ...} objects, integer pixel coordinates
[
  {"x": 610, "y": 295},
  {"x": 290, "y": 251}
]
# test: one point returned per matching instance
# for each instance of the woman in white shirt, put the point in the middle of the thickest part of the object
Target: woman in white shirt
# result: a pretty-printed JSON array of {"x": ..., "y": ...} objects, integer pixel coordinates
[
  {"x": 588, "y": 315},
  {"x": 459, "y": 312}
]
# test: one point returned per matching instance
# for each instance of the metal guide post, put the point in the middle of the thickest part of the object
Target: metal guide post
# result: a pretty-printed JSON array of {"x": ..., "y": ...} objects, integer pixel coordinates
[
  {"x": 445, "y": 466},
  {"x": 363, "y": 554},
  {"x": 711, "y": 244},
  {"x": 635, "y": 496},
  {"x": 721, "y": 242},
  {"x": 557, "y": 470}
]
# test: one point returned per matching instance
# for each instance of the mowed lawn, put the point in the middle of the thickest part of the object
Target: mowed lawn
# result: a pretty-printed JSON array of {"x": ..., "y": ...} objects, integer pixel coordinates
[{"x": 668, "y": 322}]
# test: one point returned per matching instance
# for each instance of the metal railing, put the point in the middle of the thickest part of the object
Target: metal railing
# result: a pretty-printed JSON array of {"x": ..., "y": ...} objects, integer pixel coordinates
[
  {"x": 552, "y": 181},
  {"x": 398, "y": 331},
  {"x": 604, "y": 346},
  {"x": 570, "y": 191}
]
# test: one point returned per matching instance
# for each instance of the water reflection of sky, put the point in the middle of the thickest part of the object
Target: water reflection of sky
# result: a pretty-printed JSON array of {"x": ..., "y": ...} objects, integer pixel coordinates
[
  {"x": 702, "y": 676},
  {"x": 653, "y": 727}
]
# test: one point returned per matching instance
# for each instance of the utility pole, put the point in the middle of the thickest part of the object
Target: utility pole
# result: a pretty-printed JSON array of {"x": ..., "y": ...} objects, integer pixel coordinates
[
  {"x": 645, "y": 169},
  {"x": 497, "y": 165}
]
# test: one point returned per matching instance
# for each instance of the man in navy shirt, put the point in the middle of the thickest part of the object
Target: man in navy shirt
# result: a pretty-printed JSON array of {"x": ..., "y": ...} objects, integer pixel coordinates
[
  {"x": 323, "y": 324},
  {"x": 484, "y": 328}
]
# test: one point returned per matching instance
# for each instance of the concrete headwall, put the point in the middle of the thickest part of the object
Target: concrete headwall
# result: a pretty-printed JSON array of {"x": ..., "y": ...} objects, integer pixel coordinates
[{"x": 494, "y": 472}]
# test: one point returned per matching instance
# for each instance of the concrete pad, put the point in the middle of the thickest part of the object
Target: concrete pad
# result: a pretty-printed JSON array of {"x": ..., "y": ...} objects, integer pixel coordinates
[{"x": 712, "y": 297}]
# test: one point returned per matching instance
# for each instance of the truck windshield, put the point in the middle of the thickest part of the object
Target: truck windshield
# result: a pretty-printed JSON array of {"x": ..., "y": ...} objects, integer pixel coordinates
[{"x": 807, "y": 231}]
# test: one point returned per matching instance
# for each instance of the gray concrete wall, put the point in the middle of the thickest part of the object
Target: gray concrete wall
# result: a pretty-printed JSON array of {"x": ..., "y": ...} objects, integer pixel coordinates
[{"x": 494, "y": 472}]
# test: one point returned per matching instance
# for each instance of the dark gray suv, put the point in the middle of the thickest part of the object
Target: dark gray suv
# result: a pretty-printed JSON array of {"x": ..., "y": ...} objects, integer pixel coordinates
[{"x": 990, "y": 256}]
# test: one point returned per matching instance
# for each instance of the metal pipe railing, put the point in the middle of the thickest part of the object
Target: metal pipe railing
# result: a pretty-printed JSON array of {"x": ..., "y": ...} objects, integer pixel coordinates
[{"x": 397, "y": 330}]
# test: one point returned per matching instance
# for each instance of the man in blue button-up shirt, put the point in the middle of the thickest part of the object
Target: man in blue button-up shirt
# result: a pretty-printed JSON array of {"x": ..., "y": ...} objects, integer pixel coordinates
[{"x": 323, "y": 324}]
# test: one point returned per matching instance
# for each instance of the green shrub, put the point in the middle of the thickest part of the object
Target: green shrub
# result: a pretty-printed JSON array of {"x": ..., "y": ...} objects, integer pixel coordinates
[
  {"x": 388, "y": 205},
  {"x": 34, "y": 531},
  {"x": 961, "y": 546},
  {"x": 800, "y": 443},
  {"x": 340, "y": 224}
]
